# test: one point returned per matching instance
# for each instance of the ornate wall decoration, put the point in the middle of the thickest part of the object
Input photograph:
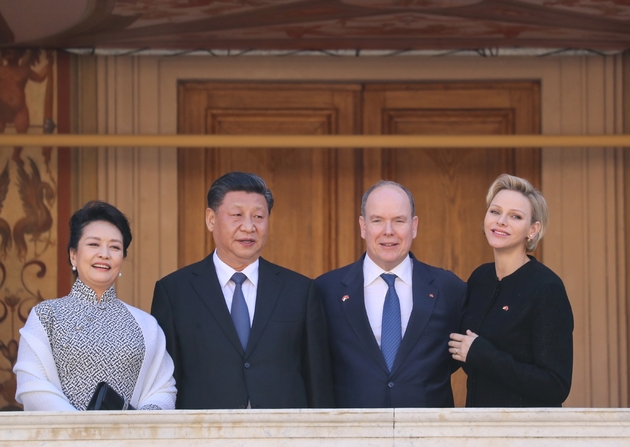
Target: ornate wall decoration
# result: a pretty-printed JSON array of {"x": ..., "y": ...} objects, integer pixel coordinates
[
  {"x": 211, "y": 26},
  {"x": 28, "y": 202}
]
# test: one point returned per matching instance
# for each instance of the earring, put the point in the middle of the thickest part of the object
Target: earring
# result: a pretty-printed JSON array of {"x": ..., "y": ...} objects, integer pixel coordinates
[
  {"x": 119, "y": 274},
  {"x": 74, "y": 268}
]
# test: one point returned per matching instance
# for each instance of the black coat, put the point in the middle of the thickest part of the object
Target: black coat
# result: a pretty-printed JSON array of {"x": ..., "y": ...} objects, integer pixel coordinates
[
  {"x": 523, "y": 356},
  {"x": 286, "y": 364}
]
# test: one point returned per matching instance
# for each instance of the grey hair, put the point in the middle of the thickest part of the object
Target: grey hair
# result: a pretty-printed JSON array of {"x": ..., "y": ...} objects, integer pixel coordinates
[{"x": 387, "y": 183}]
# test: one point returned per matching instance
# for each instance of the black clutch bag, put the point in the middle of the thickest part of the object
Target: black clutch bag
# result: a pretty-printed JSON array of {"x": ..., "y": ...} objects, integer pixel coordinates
[{"x": 106, "y": 398}]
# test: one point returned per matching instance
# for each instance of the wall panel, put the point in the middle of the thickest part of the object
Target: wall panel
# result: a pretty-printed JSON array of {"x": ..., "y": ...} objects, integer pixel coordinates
[
  {"x": 584, "y": 187},
  {"x": 624, "y": 203}
]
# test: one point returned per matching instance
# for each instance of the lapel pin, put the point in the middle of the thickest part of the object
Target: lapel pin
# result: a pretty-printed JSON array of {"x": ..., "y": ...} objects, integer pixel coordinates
[
  {"x": 345, "y": 297},
  {"x": 506, "y": 308},
  {"x": 431, "y": 295}
]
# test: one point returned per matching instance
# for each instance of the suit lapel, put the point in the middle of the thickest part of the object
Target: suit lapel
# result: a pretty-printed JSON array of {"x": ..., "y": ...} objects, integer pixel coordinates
[
  {"x": 354, "y": 308},
  {"x": 267, "y": 294},
  {"x": 424, "y": 298},
  {"x": 206, "y": 284}
]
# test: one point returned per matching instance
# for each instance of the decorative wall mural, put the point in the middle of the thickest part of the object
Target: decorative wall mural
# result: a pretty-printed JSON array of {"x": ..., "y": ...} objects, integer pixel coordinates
[
  {"x": 16, "y": 71},
  {"x": 318, "y": 25},
  {"x": 28, "y": 202}
]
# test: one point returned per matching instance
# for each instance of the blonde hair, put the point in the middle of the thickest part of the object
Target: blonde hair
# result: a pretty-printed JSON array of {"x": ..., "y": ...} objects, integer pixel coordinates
[{"x": 540, "y": 212}]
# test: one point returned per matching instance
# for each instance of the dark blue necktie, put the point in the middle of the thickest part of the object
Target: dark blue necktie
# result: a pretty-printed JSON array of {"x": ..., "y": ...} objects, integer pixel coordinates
[
  {"x": 391, "y": 331},
  {"x": 240, "y": 314}
]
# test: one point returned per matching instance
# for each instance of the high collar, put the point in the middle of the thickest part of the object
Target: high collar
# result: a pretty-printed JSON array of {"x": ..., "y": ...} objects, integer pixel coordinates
[{"x": 85, "y": 293}]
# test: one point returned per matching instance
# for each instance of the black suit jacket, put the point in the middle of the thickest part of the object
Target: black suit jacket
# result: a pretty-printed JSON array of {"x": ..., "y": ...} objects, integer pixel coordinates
[
  {"x": 422, "y": 369},
  {"x": 286, "y": 364}
]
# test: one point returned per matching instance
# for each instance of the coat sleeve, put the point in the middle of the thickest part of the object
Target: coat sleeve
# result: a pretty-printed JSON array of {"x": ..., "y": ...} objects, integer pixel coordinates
[
  {"x": 38, "y": 385},
  {"x": 316, "y": 367},
  {"x": 161, "y": 310},
  {"x": 459, "y": 294},
  {"x": 548, "y": 378}
]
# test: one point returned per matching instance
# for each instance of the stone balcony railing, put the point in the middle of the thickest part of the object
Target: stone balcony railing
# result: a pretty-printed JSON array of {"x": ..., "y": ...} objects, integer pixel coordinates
[{"x": 317, "y": 428}]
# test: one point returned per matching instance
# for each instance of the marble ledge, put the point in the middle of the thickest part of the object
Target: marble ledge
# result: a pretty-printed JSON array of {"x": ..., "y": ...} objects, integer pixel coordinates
[{"x": 302, "y": 428}]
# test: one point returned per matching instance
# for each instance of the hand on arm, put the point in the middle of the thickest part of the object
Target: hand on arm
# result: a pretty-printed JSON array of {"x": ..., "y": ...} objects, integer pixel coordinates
[{"x": 460, "y": 345}]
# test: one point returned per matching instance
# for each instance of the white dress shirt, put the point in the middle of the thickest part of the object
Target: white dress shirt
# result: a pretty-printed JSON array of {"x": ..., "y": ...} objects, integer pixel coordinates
[
  {"x": 375, "y": 289},
  {"x": 225, "y": 272}
]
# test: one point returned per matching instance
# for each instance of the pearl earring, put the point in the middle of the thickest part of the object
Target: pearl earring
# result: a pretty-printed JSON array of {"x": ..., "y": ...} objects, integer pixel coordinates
[
  {"x": 74, "y": 268},
  {"x": 119, "y": 274}
]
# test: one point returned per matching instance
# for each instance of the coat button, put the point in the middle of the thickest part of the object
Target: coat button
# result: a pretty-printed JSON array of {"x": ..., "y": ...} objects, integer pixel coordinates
[
  {"x": 390, "y": 384},
  {"x": 246, "y": 365}
]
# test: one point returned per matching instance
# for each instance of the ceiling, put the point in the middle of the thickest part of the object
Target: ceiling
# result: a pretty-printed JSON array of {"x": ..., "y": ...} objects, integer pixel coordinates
[{"x": 315, "y": 25}]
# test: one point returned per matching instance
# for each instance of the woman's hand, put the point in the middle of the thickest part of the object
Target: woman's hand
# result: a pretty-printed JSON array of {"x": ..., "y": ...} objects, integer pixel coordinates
[{"x": 460, "y": 344}]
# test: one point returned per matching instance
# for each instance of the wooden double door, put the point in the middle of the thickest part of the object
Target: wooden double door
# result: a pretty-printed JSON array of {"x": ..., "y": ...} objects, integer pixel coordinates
[{"x": 314, "y": 222}]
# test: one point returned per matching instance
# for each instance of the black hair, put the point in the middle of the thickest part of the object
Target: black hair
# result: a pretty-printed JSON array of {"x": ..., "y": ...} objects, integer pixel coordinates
[
  {"x": 238, "y": 181},
  {"x": 95, "y": 211}
]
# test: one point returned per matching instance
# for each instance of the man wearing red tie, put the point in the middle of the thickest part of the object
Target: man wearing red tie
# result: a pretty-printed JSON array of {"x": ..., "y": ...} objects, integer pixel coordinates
[
  {"x": 243, "y": 332},
  {"x": 389, "y": 316}
]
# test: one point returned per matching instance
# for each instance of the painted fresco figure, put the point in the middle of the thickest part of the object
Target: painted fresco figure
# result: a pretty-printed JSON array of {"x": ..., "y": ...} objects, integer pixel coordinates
[
  {"x": 15, "y": 72},
  {"x": 13, "y": 78},
  {"x": 37, "y": 197}
]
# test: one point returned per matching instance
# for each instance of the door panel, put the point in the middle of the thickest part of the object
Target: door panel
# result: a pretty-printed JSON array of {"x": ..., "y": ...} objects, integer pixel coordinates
[
  {"x": 306, "y": 183},
  {"x": 314, "y": 223},
  {"x": 450, "y": 185}
]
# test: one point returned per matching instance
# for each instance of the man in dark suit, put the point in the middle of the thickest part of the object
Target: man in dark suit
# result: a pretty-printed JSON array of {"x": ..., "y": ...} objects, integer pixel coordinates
[
  {"x": 243, "y": 332},
  {"x": 389, "y": 315}
]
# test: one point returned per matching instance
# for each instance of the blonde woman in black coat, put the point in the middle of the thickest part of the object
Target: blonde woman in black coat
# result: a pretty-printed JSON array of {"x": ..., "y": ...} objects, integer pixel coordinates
[{"x": 516, "y": 342}]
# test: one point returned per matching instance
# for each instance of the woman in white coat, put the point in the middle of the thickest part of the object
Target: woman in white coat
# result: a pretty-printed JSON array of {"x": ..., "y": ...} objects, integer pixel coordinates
[{"x": 69, "y": 345}]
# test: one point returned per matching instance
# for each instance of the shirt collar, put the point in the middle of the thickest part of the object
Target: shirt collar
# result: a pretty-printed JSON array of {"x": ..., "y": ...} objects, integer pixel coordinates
[
  {"x": 371, "y": 271},
  {"x": 225, "y": 272}
]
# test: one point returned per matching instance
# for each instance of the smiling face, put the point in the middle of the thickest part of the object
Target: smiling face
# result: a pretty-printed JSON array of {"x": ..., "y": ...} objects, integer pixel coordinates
[
  {"x": 98, "y": 256},
  {"x": 508, "y": 221},
  {"x": 239, "y": 228},
  {"x": 388, "y": 226}
]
